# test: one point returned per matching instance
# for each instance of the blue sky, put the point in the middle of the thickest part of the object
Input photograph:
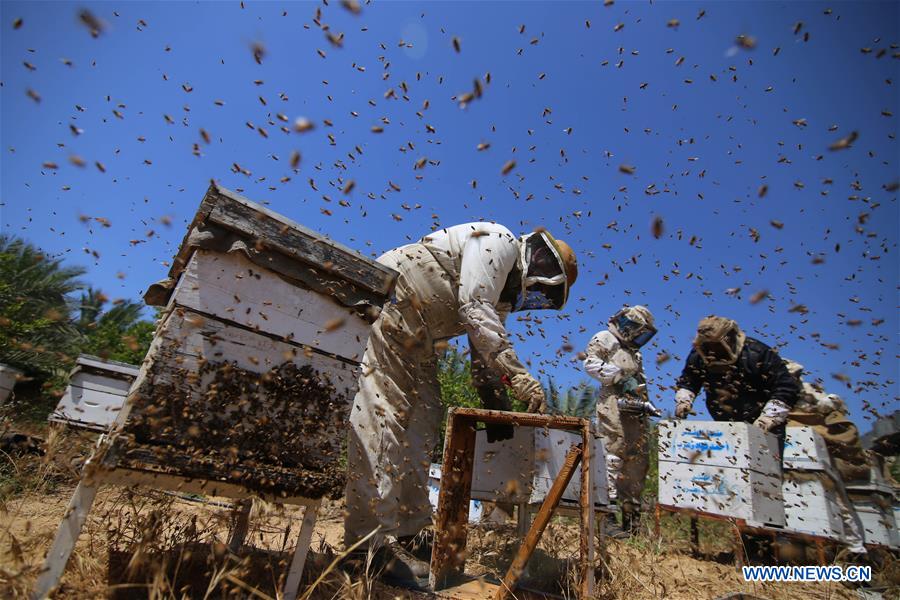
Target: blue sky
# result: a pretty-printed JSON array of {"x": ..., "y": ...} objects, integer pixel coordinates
[{"x": 584, "y": 90}]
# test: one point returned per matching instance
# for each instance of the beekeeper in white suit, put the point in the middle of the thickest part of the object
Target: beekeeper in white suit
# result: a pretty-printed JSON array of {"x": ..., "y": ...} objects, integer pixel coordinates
[
  {"x": 461, "y": 280},
  {"x": 614, "y": 359}
]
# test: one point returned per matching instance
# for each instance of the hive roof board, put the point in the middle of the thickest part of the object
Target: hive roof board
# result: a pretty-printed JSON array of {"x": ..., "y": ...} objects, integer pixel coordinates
[{"x": 228, "y": 222}]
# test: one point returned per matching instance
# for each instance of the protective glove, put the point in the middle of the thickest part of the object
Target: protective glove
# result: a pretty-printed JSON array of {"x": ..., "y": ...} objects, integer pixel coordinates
[
  {"x": 774, "y": 414},
  {"x": 765, "y": 423},
  {"x": 684, "y": 402},
  {"x": 529, "y": 390}
]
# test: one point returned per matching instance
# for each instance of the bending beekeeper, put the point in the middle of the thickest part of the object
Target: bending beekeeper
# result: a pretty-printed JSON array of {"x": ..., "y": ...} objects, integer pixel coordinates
[
  {"x": 744, "y": 379},
  {"x": 464, "y": 279},
  {"x": 614, "y": 359}
]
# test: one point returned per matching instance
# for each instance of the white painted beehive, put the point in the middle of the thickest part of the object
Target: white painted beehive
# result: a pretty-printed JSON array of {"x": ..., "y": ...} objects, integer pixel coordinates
[
  {"x": 718, "y": 444},
  {"x": 739, "y": 493},
  {"x": 522, "y": 469},
  {"x": 476, "y": 508},
  {"x": 810, "y": 505},
  {"x": 722, "y": 468},
  {"x": 805, "y": 450},
  {"x": 8, "y": 378},
  {"x": 95, "y": 394},
  {"x": 879, "y": 526}
]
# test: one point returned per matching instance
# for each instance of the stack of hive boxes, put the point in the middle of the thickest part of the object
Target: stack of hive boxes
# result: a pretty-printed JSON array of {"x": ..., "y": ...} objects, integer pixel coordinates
[
  {"x": 809, "y": 485},
  {"x": 255, "y": 361},
  {"x": 873, "y": 501},
  {"x": 721, "y": 468},
  {"x": 95, "y": 394}
]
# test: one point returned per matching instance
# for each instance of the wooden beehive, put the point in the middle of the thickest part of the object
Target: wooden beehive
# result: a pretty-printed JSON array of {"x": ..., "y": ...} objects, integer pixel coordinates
[
  {"x": 254, "y": 364},
  {"x": 95, "y": 394}
]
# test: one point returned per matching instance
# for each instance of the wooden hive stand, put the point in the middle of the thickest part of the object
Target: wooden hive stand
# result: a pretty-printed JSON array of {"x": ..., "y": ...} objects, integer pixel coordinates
[
  {"x": 451, "y": 523},
  {"x": 250, "y": 376}
]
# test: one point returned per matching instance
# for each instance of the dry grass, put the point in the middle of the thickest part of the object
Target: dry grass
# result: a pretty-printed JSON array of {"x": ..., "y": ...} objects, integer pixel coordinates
[{"x": 149, "y": 544}]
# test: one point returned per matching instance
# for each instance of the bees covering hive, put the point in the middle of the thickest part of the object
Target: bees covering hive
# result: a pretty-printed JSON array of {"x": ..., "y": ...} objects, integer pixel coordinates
[{"x": 255, "y": 361}]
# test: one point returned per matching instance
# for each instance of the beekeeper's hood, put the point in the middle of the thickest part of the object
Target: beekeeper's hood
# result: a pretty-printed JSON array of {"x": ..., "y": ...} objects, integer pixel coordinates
[
  {"x": 719, "y": 341},
  {"x": 633, "y": 325},
  {"x": 548, "y": 269}
]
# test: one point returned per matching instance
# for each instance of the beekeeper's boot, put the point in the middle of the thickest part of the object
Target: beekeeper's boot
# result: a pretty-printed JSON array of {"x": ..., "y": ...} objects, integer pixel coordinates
[
  {"x": 419, "y": 545},
  {"x": 396, "y": 566}
]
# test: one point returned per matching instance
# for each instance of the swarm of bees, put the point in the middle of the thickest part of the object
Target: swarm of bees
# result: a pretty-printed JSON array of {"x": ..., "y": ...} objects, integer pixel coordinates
[{"x": 276, "y": 431}]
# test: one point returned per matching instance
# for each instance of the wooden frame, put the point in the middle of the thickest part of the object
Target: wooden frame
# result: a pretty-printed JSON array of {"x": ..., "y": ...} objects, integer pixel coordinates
[{"x": 451, "y": 522}]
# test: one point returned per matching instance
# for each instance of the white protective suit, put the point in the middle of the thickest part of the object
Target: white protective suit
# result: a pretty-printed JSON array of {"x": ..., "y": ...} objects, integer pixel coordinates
[
  {"x": 624, "y": 433},
  {"x": 449, "y": 283}
]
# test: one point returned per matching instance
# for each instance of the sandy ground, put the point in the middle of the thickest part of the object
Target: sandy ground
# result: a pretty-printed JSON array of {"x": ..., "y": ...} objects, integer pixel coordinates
[{"x": 635, "y": 570}]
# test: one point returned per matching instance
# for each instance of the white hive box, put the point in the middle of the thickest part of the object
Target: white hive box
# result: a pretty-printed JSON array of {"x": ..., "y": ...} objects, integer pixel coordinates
[
  {"x": 877, "y": 517},
  {"x": 732, "y": 492},
  {"x": 721, "y": 468},
  {"x": 718, "y": 444},
  {"x": 522, "y": 469},
  {"x": 805, "y": 450},
  {"x": 476, "y": 508},
  {"x": 95, "y": 394},
  {"x": 8, "y": 377},
  {"x": 810, "y": 505},
  {"x": 255, "y": 362}
]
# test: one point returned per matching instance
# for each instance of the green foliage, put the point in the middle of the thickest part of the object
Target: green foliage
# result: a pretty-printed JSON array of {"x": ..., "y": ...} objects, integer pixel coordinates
[
  {"x": 577, "y": 401},
  {"x": 36, "y": 331},
  {"x": 117, "y": 334},
  {"x": 651, "y": 483},
  {"x": 43, "y": 327},
  {"x": 455, "y": 378}
]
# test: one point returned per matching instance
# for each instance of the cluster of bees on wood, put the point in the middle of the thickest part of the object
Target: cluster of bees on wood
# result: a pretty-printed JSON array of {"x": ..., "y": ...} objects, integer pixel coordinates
[{"x": 267, "y": 431}]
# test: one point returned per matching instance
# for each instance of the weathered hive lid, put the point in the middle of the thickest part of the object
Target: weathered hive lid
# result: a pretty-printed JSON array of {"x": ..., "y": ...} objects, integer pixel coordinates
[
  {"x": 227, "y": 222},
  {"x": 112, "y": 368}
]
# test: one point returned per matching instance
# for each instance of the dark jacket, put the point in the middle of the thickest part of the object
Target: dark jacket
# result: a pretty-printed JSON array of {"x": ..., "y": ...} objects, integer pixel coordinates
[{"x": 738, "y": 392}]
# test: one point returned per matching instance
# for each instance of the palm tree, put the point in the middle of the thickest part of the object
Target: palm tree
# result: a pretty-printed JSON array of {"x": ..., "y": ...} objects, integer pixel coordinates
[
  {"x": 118, "y": 333},
  {"x": 37, "y": 334}
]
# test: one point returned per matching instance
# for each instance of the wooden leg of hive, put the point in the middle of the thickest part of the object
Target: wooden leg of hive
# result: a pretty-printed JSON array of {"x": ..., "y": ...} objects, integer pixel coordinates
[
  {"x": 695, "y": 538},
  {"x": 295, "y": 573},
  {"x": 820, "y": 552},
  {"x": 739, "y": 556},
  {"x": 66, "y": 536},
  {"x": 522, "y": 520},
  {"x": 241, "y": 523}
]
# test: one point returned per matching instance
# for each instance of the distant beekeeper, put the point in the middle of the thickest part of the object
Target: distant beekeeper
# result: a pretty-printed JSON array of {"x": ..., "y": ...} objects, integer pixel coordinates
[
  {"x": 464, "y": 279},
  {"x": 614, "y": 358},
  {"x": 828, "y": 416},
  {"x": 744, "y": 379}
]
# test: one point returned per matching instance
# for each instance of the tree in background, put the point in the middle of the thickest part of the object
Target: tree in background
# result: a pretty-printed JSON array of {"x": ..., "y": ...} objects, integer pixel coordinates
[
  {"x": 44, "y": 326},
  {"x": 577, "y": 401},
  {"x": 117, "y": 334},
  {"x": 37, "y": 334}
]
